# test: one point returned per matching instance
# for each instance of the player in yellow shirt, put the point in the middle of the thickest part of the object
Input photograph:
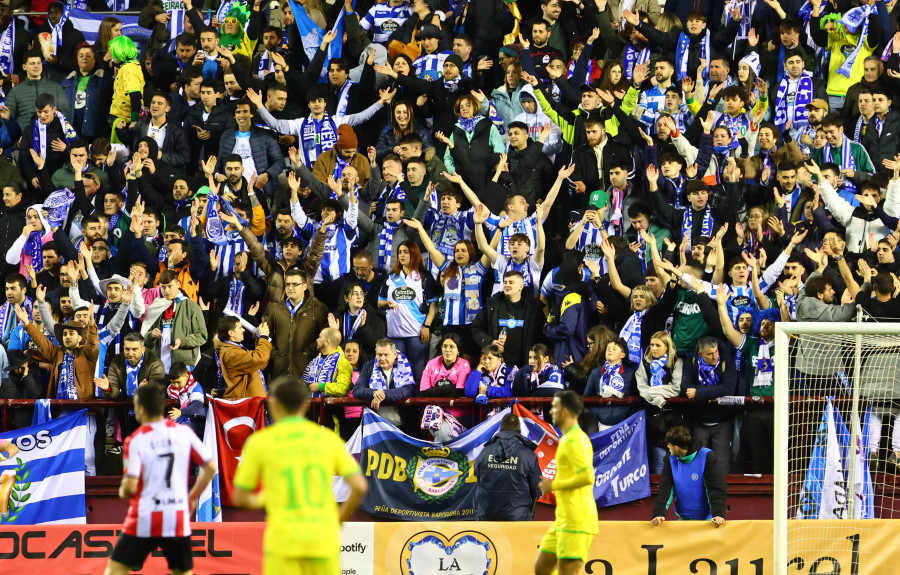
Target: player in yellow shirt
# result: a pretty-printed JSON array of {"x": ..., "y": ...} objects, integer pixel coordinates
[
  {"x": 294, "y": 461},
  {"x": 565, "y": 546}
]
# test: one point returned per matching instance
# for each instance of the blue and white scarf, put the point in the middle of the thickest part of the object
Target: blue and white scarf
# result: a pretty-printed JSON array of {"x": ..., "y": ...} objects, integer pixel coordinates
[
  {"x": 343, "y": 99},
  {"x": 317, "y": 137},
  {"x": 351, "y": 324},
  {"x": 682, "y": 50},
  {"x": 452, "y": 85},
  {"x": 633, "y": 58},
  {"x": 293, "y": 309},
  {"x": 9, "y": 320},
  {"x": 216, "y": 231},
  {"x": 7, "y": 46},
  {"x": 677, "y": 185},
  {"x": 56, "y": 32},
  {"x": 847, "y": 161},
  {"x": 34, "y": 247},
  {"x": 266, "y": 65},
  {"x": 322, "y": 369},
  {"x": 386, "y": 243},
  {"x": 803, "y": 96},
  {"x": 707, "y": 373},
  {"x": 236, "y": 296},
  {"x": 117, "y": 5},
  {"x": 401, "y": 375},
  {"x": 66, "y": 388},
  {"x": 851, "y": 22},
  {"x": 611, "y": 377},
  {"x": 176, "y": 27},
  {"x": 658, "y": 370},
  {"x": 39, "y": 134},
  {"x": 631, "y": 333},
  {"x": 738, "y": 125},
  {"x": 744, "y": 8},
  {"x": 131, "y": 377},
  {"x": 339, "y": 165},
  {"x": 468, "y": 124},
  {"x": 687, "y": 224}
]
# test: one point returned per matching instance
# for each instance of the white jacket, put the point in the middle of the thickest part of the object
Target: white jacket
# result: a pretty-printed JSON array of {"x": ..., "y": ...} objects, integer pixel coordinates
[{"x": 858, "y": 228}]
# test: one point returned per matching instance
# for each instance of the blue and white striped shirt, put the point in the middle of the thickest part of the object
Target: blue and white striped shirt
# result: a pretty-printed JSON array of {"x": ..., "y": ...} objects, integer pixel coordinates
[
  {"x": 338, "y": 244},
  {"x": 383, "y": 20},
  {"x": 431, "y": 66}
]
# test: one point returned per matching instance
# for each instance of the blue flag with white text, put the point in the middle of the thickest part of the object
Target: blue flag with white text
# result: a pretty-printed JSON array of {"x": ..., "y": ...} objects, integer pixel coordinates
[
  {"x": 44, "y": 482},
  {"x": 620, "y": 462}
]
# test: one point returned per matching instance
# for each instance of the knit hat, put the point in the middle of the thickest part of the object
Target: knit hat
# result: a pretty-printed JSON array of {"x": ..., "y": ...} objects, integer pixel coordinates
[
  {"x": 346, "y": 138},
  {"x": 122, "y": 49},
  {"x": 510, "y": 50},
  {"x": 752, "y": 60},
  {"x": 599, "y": 199},
  {"x": 456, "y": 61}
]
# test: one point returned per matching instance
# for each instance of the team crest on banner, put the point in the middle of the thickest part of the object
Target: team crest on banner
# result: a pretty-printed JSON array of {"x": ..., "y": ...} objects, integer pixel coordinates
[
  {"x": 431, "y": 552},
  {"x": 436, "y": 474}
]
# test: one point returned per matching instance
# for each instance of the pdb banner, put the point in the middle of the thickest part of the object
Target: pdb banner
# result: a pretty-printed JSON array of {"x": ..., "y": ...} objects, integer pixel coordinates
[
  {"x": 620, "y": 462},
  {"x": 421, "y": 480}
]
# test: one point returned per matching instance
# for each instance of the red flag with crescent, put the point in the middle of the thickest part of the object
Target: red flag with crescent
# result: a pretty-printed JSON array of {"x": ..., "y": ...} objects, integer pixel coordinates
[{"x": 235, "y": 421}]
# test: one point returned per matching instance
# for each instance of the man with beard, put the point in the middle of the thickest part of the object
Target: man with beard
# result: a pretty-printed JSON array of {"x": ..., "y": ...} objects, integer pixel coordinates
[
  {"x": 175, "y": 148},
  {"x": 258, "y": 149},
  {"x": 15, "y": 297}
]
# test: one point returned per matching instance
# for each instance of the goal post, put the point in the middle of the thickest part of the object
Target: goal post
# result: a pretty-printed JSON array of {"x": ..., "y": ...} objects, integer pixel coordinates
[{"x": 867, "y": 357}]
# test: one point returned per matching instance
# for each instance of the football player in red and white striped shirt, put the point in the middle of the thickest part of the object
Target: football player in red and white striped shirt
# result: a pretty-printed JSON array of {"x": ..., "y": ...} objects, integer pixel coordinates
[{"x": 158, "y": 458}]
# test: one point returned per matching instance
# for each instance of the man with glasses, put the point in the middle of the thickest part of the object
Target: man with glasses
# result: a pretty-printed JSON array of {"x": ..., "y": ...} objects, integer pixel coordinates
[
  {"x": 365, "y": 273},
  {"x": 295, "y": 323}
]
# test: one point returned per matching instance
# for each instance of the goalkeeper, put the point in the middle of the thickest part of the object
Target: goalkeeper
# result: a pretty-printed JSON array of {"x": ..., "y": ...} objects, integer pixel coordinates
[{"x": 691, "y": 480}]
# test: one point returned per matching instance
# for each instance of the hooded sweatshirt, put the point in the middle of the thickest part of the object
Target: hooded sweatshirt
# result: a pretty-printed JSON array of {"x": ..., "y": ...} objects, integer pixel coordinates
[{"x": 536, "y": 122}]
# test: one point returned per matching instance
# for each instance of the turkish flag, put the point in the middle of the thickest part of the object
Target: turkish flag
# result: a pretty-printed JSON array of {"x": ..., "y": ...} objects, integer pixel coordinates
[
  {"x": 235, "y": 421},
  {"x": 547, "y": 439}
]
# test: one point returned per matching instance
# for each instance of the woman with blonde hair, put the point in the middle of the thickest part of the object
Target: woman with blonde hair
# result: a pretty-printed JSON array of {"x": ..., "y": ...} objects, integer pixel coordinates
[
  {"x": 659, "y": 378},
  {"x": 667, "y": 22}
]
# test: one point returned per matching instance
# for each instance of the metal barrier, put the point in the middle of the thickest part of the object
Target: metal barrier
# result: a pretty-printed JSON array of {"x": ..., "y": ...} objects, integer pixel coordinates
[{"x": 318, "y": 405}]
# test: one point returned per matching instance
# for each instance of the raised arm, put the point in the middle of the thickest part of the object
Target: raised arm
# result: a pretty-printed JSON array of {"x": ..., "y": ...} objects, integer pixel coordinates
[{"x": 609, "y": 252}]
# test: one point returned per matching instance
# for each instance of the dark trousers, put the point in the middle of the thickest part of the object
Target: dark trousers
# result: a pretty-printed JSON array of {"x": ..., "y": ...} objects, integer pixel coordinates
[
  {"x": 759, "y": 425},
  {"x": 716, "y": 437}
]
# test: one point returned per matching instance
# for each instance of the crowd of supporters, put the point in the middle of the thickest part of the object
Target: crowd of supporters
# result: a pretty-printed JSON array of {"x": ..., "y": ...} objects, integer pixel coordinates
[{"x": 474, "y": 199}]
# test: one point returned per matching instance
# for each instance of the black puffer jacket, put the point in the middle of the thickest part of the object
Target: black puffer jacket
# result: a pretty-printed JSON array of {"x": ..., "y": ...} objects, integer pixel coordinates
[{"x": 508, "y": 478}]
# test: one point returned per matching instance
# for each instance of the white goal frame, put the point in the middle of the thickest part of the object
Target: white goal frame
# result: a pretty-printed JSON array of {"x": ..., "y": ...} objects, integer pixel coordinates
[{"x": 783, "y": 333}]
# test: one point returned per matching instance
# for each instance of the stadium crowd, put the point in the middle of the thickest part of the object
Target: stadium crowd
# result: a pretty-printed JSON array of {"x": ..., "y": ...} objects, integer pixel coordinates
[{"x": 620, "y": 199}]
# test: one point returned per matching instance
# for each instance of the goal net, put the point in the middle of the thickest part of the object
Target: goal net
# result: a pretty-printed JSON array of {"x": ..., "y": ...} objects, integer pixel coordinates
[{"x": 837, "y": 427}]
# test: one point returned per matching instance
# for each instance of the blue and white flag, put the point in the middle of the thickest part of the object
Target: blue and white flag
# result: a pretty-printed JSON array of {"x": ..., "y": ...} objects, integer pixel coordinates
[
  {"x": 864, "y": 505},
  {"x": 209, "y": 506},
  {"x": 216, "y": 231},
  {"x": 44, "y": 482},
  {"x": 620, "y": 462},
  {"x": 89, "y": 24},
  {"x": 824, "y": 493},
  {"x": 311, "y": 35}
]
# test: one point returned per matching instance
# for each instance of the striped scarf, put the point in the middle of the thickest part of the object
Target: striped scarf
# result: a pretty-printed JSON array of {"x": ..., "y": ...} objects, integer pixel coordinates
[
  {"x": 631, "y": 333},
  {"x": 847, "y": 162},
  {"x": 401, "y": 375},
  {"x": 658, "y": 370},
  {"x": 7, "y": 45},
  {"x": 634, "y": 57},
  {"x": 386, "y": 243},
  {"x": 796, "y": 112},
  {"x": 39, "y": 134},
  {"x": 34, "y": 247},
  {"x": 322, "y": 369},
  {"x": 351, "y": 324},
  {"x": 687, "y": 224},
  {"x": 66, "y": 388},
  {"x": 707, "y": 373},
  {"x": 682, "y": 50},
  {"x": 131, "y": 377},
  {"x": 611, "y": 380},
  {"x": 236, "y": 296}
]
